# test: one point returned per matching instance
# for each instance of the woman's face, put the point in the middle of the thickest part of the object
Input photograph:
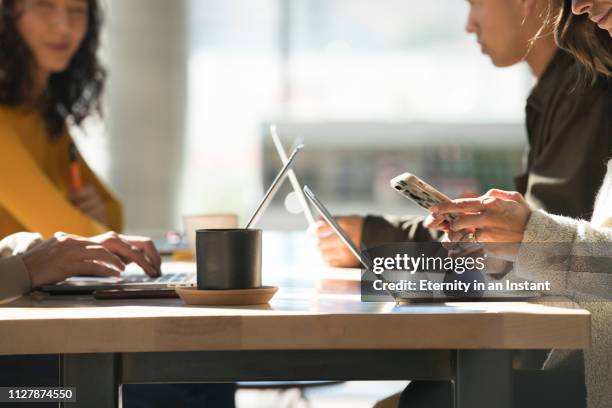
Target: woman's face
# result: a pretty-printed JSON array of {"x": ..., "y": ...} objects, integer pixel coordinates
[
  {"x": 599, "y": 11},
  {"x": 499, "y": 26},
  {"x": 53, "y": 30}
]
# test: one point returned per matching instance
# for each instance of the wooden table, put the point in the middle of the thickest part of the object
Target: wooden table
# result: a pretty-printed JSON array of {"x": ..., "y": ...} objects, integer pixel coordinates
[{"x": 299, "y": 336}]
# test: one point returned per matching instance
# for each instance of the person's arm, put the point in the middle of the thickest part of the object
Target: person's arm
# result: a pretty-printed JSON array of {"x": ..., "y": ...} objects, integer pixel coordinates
[
  {"x": 568, "y": 167},
  {"x": 19, "y": 243},
  {"x": 556, "y": 248},
  {"x": 14, "y": 277},
  {"x": 570, "y": 254},
  {"x": 27, "y": 262},
  {"x": 28, "y": 194}
]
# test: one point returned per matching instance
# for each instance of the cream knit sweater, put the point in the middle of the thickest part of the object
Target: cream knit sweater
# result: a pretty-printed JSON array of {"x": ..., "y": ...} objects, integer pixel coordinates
[{"x": 576, "y": 257}]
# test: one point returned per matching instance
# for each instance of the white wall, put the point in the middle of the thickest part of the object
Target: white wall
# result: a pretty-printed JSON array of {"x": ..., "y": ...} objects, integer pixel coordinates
[{"x": 146, "y": 54}]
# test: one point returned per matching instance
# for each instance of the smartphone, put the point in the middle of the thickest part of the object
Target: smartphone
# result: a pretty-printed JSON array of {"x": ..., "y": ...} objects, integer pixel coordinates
[
  {"x": 140, "y": 293},
  {"x": 418, "y": 191}
]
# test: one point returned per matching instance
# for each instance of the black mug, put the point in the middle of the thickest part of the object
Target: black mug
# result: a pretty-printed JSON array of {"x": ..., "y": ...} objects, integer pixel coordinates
[{"x": 228, "y": 258}]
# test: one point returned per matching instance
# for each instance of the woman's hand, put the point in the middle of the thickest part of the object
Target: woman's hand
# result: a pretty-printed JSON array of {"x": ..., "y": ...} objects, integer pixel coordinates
[
  {"x": 498, "y": 216},
  {"x": 65, "y": 255},
  {"x": 437, "y": 222},
  {"x": 90, "y": 202},
  {"x": 106, "y": 255},
  {"x": 128, "y": 248},
  {"x": 333, "y": 251}
]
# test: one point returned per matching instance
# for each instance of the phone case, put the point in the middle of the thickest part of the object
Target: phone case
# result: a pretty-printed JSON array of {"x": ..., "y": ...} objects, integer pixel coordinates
[{"x": 421, "y": 193}]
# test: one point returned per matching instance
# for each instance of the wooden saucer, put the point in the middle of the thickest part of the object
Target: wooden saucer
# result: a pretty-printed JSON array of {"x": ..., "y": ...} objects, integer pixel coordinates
[{"x": 233, "y": 297}]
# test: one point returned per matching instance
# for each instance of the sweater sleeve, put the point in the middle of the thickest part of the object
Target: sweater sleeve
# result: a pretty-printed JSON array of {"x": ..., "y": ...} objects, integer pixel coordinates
[
  {"x": 555, "y": 248},
  {"x": 19, "y": 243},
  {"x": 14, "y": 277},
  {"x": 28, "y": 194}
]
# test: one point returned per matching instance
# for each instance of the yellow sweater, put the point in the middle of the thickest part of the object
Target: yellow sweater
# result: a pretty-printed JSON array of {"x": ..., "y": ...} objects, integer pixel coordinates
[{"x": 36, "y": 180}]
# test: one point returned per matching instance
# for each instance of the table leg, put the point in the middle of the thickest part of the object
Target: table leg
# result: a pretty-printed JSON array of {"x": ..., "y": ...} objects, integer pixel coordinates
[
  {"x": 484, "y": 379},
  {"x": 95, "y": 377}
]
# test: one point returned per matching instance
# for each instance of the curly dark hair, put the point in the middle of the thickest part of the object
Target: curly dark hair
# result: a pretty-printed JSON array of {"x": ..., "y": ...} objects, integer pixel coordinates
[
  {"x": 71, "y": 95},
  {"x": 590, "y": 45}
]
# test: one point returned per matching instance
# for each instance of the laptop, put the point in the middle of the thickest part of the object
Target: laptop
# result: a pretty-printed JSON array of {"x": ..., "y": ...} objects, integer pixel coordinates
[
  {"x": 134, "y": 278},
  {"x": 183, "y": 274}
]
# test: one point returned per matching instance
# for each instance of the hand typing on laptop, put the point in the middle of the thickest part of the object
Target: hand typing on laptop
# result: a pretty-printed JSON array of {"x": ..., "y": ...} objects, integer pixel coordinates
[{"x": 103, "y": 255}]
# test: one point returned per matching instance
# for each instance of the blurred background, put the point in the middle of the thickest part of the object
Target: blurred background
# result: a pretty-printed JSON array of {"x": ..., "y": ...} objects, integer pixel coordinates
[{"x": 373, "y": 88}]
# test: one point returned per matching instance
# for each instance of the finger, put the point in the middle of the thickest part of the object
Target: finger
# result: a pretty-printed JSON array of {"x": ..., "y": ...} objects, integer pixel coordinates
[
  {"x": 436, "y": 222},
  {"x": 471, "y": 222},
  {"x": 126, "y": 251},
  {"x": 91, "y": 204},
  {"x": 463, "y": 205},
  {"x": 458, "y": 236},
  {"x": 92, "y": 268},
  {"x": 336, "y": 252},
  {"x": 333, "y": 238},
  {"x": 489, "y": 235},
  {"x": 318, "y": 227},
  {"x": 98, "y": 214},
  {"x": 506, "y": 195},
  {"x": 324, "y": 230},
  {"x": 72, "y": 241},
  {"x": 338, "y": 261},
  {"x": 148, "y": 247},
  {"x": 319, "y": 224},
  {"x": 82, "y": 194},
  {"x": 101, "y": 254},
  {"x": 326, "y": 235},
  {"x": 334, "y": 262},
  {"x": 331, "y": 245},
  {"x": 431, "y": 221},
  {"x": 312, "y": 230},
  {"x": 496, "y": 235},
  {"x": 481, "y": 235}
]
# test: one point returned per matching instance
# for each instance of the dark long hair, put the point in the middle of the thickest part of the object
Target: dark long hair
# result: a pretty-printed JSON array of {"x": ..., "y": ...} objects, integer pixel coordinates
[
  {"x": 590, "y": 45},
  {"x": 71, "y": 95}
]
